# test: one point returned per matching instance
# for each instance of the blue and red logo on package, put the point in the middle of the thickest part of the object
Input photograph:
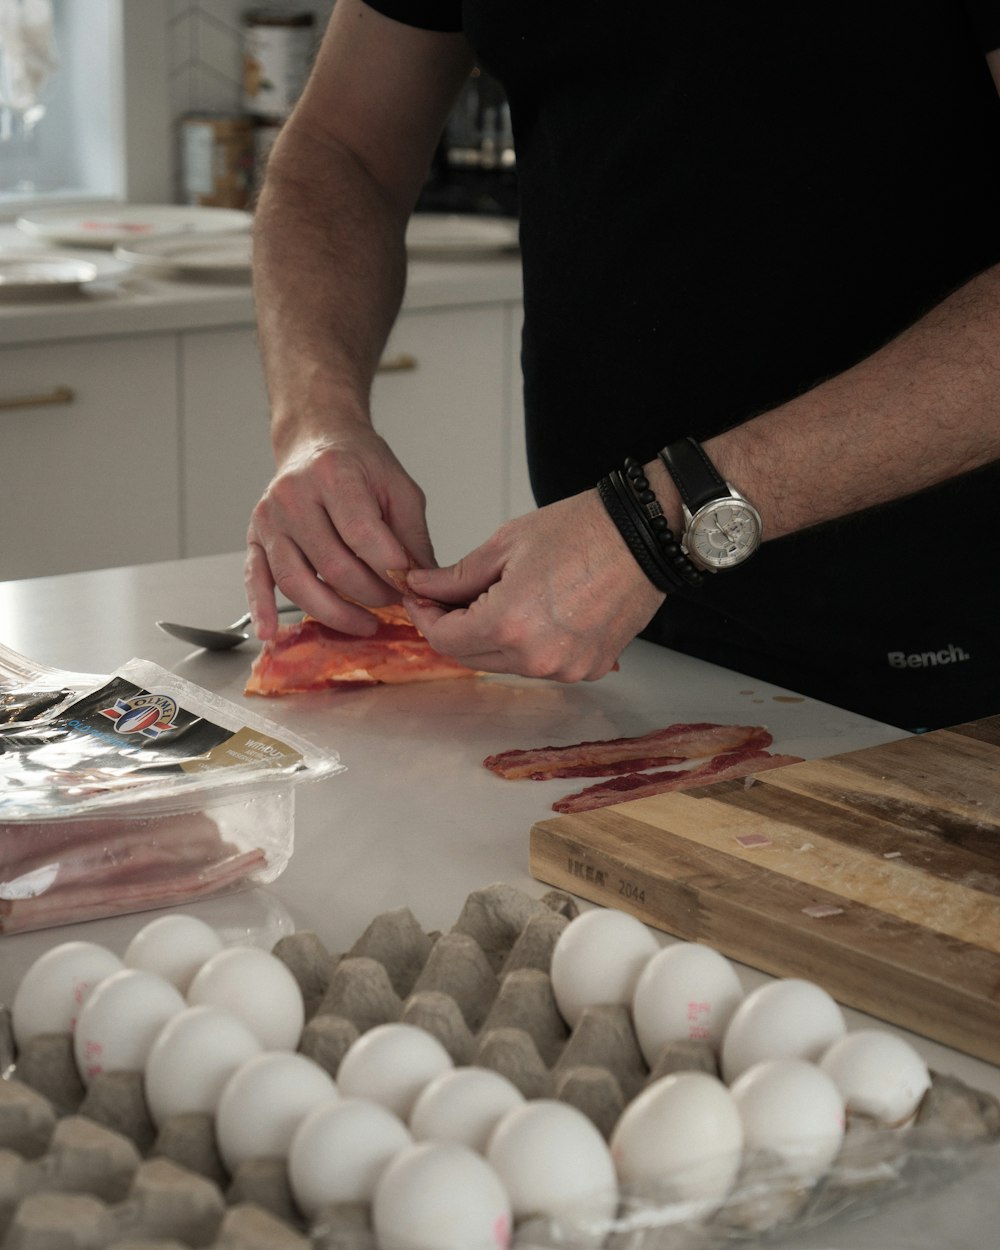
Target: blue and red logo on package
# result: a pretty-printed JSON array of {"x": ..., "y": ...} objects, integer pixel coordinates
[{"x": 147, "y": 714}]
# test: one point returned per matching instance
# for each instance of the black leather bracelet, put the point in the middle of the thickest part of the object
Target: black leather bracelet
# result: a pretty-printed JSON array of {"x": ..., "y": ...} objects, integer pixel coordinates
[{"x": 626, "y": 526}]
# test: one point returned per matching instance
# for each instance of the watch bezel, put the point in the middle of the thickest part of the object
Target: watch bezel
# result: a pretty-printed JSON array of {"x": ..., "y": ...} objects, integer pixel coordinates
[{"x": 733, "y": 499}]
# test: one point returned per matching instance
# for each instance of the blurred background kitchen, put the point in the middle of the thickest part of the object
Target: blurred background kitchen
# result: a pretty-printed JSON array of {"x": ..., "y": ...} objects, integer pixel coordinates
[
  {"x": 182, "y": 99},
  {"x": 133, "y": 137}
]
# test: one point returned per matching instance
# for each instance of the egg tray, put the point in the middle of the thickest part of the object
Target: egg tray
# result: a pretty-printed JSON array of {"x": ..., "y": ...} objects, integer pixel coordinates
[{"x": 86, "y": 1169}]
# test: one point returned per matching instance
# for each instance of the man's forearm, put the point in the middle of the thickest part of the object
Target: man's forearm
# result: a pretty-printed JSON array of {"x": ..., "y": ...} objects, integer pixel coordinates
[
  {"x": 329, "y": 275},
  {"x": 924, "y": 408}
]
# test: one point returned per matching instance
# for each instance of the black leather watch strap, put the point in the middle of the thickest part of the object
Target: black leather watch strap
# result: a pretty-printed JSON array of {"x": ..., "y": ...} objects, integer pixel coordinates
[{"x": 695, "y": 477}]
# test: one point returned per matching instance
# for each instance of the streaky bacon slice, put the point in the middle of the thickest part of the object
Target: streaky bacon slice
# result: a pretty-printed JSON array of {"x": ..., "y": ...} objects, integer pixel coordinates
[
  {"x": 609, "y": 756},
  {"x": 62, "y": 872},
  {"x": 722, "y": 767},
  {"x": 311, "y": 656},
  {"x": 89, "y": 899}
]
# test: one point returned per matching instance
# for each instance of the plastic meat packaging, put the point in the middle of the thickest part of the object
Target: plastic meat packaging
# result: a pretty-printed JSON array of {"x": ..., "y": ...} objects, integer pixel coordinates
[
  {"x": 136, "y": 790},
  {"x": 889, "y": 1189}
]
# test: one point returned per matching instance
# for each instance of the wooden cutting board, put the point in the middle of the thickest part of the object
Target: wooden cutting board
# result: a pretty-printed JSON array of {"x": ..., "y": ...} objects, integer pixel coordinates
[{"x": 875, "y": 874}]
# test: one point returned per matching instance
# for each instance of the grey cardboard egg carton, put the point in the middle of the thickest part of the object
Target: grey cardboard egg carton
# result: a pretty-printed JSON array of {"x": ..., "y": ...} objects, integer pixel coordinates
[{"x": 86, "y": 1169}]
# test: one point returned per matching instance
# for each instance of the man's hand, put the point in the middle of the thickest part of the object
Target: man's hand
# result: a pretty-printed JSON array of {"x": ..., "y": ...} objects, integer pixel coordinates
[
  {"x": 338, "y": 514},
  {"x": 555, "y": 593}
]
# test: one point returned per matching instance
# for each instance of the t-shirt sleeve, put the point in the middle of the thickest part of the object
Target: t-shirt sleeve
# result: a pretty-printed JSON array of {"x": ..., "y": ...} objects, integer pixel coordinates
[
  {"x": 443, "y": 15},
  {"x": 985, "y": 15}
]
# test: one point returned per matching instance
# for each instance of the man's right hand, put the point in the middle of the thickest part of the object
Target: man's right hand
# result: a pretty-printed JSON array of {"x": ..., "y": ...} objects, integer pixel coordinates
[{"x": 340, "y": 511}]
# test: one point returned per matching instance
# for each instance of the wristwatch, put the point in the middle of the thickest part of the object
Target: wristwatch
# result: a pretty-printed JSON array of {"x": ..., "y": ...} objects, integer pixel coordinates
[{"x": 721, "y": 528}]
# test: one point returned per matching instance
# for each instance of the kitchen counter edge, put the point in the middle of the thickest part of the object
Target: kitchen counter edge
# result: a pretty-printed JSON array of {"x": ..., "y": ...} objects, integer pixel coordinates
[{"x": 142, "y": 304}]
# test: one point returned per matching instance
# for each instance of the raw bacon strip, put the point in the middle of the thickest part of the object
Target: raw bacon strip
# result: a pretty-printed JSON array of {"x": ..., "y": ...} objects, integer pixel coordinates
[
  {"x": 61, "y": 872},
  {"x": 609, "y": 756},
  {"x": 642, "y": 785},
  {"x": 110, "y": 850},
  {"x": 310, "y": 656},
  {"x": 88, "y": 900}
]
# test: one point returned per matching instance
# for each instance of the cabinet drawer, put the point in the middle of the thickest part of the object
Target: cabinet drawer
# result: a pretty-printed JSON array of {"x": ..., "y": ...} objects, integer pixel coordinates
[{"x": 88, "y": 455}]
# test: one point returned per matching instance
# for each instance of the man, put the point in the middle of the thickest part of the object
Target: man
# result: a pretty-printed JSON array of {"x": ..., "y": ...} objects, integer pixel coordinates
[{"x": 770, "y": 229}]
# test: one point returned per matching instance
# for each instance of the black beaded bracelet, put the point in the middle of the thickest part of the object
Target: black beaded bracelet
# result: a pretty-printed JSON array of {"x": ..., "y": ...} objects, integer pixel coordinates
[
  {"x": 637, "y": 514},
  {"x": 667, "y": 575},
  {"x": 659, "y": 527},
  {"x": 632, "y": 535}
]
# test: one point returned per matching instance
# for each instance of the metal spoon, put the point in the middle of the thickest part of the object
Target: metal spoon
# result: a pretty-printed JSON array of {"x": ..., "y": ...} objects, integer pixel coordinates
[{"x": 216, "y": 639}]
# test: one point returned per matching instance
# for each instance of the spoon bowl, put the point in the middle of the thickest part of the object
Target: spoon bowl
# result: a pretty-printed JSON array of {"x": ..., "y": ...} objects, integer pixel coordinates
[{"x": 223, "y": 639}]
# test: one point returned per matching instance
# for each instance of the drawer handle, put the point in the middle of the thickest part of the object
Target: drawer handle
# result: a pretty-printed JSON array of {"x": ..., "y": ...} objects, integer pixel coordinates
[
  {"x": 58, "y": 395},
  {"x": 403, "y": 363}
]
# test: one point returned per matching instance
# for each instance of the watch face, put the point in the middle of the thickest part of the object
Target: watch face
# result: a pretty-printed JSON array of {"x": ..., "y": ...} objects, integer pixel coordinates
[{"x": 723, "y": 533}]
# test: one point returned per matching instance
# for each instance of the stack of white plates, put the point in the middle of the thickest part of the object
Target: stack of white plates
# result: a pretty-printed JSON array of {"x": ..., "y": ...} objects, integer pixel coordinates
[
  {"x": 29, "y": 274},
  {"x": 109, "y": 226}
]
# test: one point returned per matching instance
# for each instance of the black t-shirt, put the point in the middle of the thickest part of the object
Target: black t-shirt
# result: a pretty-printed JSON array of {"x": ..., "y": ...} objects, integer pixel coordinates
[{"x": 722, "y": 204}]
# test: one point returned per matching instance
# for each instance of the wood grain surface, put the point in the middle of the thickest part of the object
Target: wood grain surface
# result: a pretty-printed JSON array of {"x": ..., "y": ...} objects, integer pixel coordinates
[{"x": 875, "y": 873}]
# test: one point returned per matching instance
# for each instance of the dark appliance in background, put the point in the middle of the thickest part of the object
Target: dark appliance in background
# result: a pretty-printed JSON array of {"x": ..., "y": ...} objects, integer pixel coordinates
[{"x": 473, "y": 170}]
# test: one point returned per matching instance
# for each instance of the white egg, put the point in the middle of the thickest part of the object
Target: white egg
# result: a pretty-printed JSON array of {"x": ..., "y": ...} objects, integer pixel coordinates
[
  {"x": 391, "y": 1064},
  {"x": 680, "y": 1140},
  {"x": 120, "y": 1021},
  {"x": 597, "y": 959},
  {"x": 194, "y": 1054},
  {"x": 264, "y": 1102},
  {"x": 174, "y": 947},
  {"x": 463, "y": 1105},
  {"x": 441, "y": 1195},
  {"x": 553, "y": 1161},
  {"x": 256, "y": 986},
  {"x": 787, "y": 1019},
  {"x": 339, "y": 1151},
  {"x": 879, "y": 1075},
  {"x": 56, "y": 986},
  {"x": 686, "y": 991},
  {"x": 793, "y": 1111}
]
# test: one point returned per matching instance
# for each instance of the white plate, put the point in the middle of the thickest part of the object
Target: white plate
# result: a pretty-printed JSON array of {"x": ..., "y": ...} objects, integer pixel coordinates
[
  {"x": 105, "y": 227},
  {"x": 24, "y": 272},
  {"x": 216, "y": 254},
  {"x": 458, "y": 234}
]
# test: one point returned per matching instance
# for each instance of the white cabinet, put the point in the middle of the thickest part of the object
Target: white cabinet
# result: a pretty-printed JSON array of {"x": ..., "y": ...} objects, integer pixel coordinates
[
  {"x": 445, "y": 398},
  {"x": 225, "y": 441},
  {"x": 439, "y": 400},
  {"x": 519, "y": 496},
  {"x": 88, "y": 455},
  {"x": 133, "y": 448}
]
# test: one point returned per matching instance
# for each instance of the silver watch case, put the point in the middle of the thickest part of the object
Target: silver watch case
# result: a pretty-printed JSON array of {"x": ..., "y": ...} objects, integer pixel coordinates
[{"x": 723, "y": 533}]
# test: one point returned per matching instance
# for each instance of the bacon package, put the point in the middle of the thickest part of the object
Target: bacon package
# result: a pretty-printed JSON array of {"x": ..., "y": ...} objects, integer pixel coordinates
[{"x": 136, "y": 790}]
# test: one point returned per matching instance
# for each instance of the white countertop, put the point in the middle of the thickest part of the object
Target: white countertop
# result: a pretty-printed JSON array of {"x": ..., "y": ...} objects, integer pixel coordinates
[
  {"x": 140, "y": 303},
  {"x": 415, "y": 820}
]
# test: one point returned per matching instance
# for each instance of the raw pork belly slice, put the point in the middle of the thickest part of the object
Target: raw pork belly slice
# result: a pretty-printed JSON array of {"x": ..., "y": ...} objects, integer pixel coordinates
[
  {"x": 643, "y": 785},
  {"x": 311, "y": 656},
  {"x": 610, "y": 756},
  {"x": 66, "y": 871}
]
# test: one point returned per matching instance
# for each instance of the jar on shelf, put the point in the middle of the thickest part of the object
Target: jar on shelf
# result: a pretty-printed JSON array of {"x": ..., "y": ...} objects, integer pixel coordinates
[
  {"x": 217, "y": 157},
  {"x": 278, "y": 48}
]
